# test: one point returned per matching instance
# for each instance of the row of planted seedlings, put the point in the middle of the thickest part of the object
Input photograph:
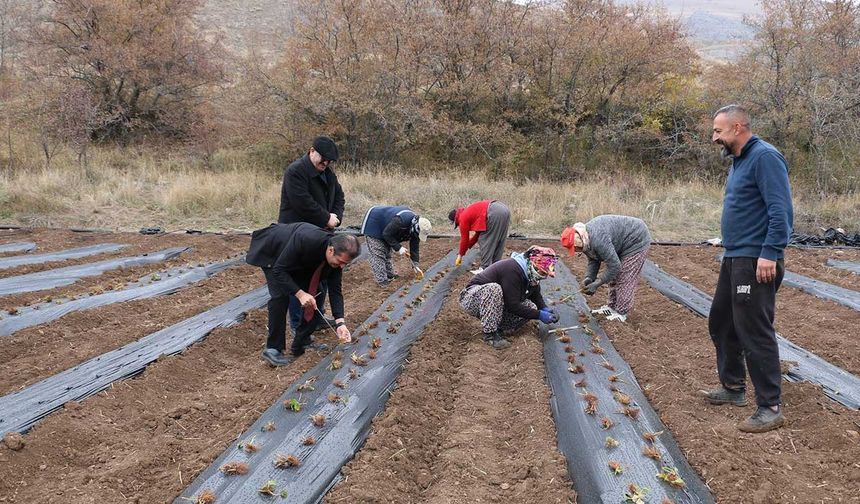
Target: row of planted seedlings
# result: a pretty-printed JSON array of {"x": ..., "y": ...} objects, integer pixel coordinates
[
  {"x": 836, "y": 383},
  {"x": 617, "y": 448},
  {"x": 297, "y": 446}
]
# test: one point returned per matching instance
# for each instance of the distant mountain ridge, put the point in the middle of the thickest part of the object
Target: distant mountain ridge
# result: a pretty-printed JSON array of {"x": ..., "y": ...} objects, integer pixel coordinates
[{"x": 706, "y": 27}]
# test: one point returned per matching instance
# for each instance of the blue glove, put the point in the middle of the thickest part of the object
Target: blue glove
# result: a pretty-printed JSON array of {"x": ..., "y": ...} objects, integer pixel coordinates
[{"x": 547, "y": 316}]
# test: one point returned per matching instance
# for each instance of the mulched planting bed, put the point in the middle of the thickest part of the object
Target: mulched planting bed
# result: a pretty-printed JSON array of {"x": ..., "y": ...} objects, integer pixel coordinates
[
  {"x": 813, "y": 459},
  {"x": 825, "y": 328},
  {"x": 206, "y": 248},
  {"x": 145, "y": 439}
]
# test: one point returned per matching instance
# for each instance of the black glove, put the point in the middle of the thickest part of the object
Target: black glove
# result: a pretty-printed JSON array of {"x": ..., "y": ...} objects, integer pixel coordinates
[{"x": 591, "y": 288}]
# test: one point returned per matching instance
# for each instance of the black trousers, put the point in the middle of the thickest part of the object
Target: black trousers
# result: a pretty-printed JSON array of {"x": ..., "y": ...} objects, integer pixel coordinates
[
  {"x": 278, "y": 306},
  {"x": 741, "y": 327}
]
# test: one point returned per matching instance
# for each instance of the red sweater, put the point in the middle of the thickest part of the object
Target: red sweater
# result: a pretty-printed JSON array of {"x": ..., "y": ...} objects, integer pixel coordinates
[{"x": 472, "y": 218}]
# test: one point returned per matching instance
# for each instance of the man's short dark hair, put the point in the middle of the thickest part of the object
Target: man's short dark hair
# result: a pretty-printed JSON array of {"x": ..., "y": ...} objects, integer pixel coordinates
[
  {"x": 738, "y": 113},
  {"x": 346, "y": 243}
]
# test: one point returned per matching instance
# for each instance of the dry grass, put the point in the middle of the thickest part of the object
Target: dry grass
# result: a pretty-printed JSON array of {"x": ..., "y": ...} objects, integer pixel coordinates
[{"x": 125, "y": 189}]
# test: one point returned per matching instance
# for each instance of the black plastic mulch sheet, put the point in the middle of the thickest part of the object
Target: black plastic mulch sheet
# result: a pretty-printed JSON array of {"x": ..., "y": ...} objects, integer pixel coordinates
[
  {"x": 853, "y": 267},
  {"x": 831, "y": 236},
  {"x": 60, "y": 277},
  {"x": 149, "y": 286},
  {"x": 280, "y": 431},
  {"x": 17, "y": 247},
  {"x": 582, "y": 436},
  {"x": 836, "y": 383},
  {"x": 61, "y": 255},
  {"x": 823, "y": 290},
  {"x": 20, "y": 410}
]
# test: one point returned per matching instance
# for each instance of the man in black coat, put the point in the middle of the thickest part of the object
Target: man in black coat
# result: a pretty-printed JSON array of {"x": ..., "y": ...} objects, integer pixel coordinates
[
  {"x": 311, "y": 193},
  {"x": 295, "y": 258}
]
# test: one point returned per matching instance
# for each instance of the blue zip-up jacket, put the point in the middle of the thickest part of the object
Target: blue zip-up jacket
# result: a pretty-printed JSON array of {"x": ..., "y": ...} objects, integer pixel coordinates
[
  {"x": 757, "y": 213},
  {"x": 393, "y": 225}
]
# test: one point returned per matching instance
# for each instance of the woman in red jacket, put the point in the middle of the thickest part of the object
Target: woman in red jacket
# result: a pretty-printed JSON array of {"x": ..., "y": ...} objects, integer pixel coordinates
[{"x": 489, "y": 221}]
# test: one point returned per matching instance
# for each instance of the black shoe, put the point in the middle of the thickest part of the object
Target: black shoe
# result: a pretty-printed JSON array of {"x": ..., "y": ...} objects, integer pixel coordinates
[
  {"x": 723, "y": 395},
  {"x": 276, "y": 357},
  {"x": 393, "y": 277},
  {"x": 495, "y": 340},
  {"x": 763, "y": 420}
]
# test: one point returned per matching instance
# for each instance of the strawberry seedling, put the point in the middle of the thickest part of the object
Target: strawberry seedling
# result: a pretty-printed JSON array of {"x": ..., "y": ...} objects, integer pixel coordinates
[
  {"x": 339, "y": 384},
  {"x": 293, "y": 405},
  {"x": 571, "y": 358},
  {"x": 564, "y": 338},
  {"x": 333, "y": 397},
  {"x": 268, "y": 488},
  {"x": 376, "y": 342},
  {"x": 596, "y": 349},
  {"x": 205, "y": 497},
  {"x": 632, "y": 413},
  {"x": 371, "y": 354},
  {"x": 310, "y": 440},
  {"x": 611, "y": 442},
  {"x": 670, "y": 475},
  {"x": 568, "y": 349},
  {"x": 635, "y": 494},
  {"x": 234, "y": 468},
  {"x": 606, "y": 423},
  {"x": 651, "y": 437},
  {"x": 577, "y": 369},
  {"x": 615, "y": 467},
  {"x": 285, "y": 461},
  {"x": 622, "y": 398},
  {"x": 353, "y": 373},
  {"x": 318, "y": 420},
  {"x": 581, "y": 383},
  {"x": 358, "y": 360},
  {"x": 307, "y": 386},
  {"x": 652, "y": 453},
  {"x": 269, "y": 427},
  {"x": 249, "y": 446},
  {"x": 615, "y": 378}
]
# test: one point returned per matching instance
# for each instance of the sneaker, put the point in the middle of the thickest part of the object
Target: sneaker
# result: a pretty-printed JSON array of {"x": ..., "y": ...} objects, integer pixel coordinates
[
  {"x": 603, "y": 310},
  {"x": 764, "y": 419},
  {"x": 614, "y": 315},
  {"x": 476, "y": 271},
  {"x": 495, "y": 340},
  {"x": 723, "y": 395}
]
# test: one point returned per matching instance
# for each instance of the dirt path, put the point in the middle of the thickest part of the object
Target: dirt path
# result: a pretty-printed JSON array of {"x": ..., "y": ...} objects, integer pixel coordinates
[
  {"x": 466, "y": 424},
  {"x": 813, "y": 459},
  {"x": 145, "y": 439},
  {"x": 825, "y": 328}
]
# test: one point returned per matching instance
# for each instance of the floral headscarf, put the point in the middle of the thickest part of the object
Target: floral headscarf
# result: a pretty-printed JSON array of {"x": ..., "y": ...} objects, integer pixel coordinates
[{"x": 541, "y": 263}]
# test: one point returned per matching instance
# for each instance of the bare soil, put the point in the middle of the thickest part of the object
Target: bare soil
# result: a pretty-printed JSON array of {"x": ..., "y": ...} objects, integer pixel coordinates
[{"x": 465, "y": 424}]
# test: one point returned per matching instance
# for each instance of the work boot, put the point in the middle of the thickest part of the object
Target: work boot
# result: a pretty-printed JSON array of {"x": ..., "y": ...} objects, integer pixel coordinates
[
  {"x": 764, "y": 419},
  {"x": 276, "y": 357},
  {"x": 723, "y": 395},
  {"x": 495, "y": 340}
]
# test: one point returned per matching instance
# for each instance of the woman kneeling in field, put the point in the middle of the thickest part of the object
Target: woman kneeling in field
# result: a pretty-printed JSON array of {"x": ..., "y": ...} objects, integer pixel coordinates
[{"x": 507, "y": 294}]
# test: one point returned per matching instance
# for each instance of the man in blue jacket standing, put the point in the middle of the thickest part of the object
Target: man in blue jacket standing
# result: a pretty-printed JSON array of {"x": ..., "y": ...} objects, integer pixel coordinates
[{"x": 756, "y": 224}]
